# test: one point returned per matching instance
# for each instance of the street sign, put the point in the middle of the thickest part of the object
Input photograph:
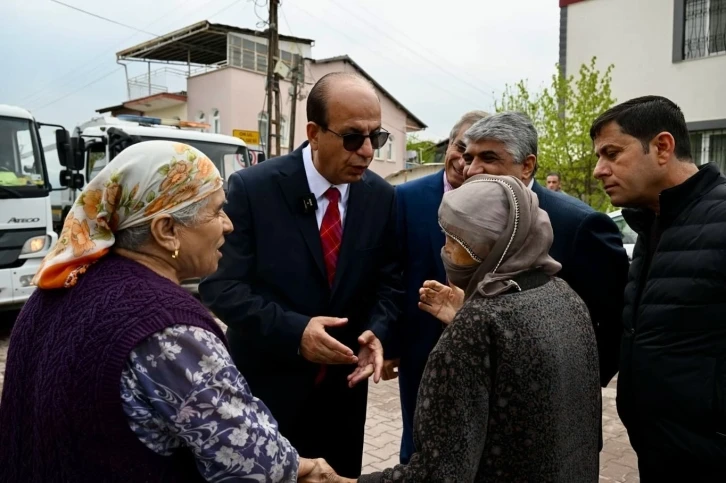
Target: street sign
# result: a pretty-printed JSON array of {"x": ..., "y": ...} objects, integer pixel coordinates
[{"x": 249, "y": 137}]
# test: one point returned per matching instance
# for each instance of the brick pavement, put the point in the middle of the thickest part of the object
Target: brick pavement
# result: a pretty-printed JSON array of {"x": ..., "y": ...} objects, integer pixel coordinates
[{"x": 383, "y": 435}]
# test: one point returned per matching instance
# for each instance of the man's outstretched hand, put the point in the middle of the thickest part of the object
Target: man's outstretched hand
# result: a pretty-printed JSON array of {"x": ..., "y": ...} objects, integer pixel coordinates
[
  {"x": 319, "y": 347},
  {"x": 370, "y": 359}
]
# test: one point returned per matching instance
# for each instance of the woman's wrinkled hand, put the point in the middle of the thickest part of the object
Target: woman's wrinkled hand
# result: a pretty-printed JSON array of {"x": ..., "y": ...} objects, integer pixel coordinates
[
  {"x": 441, "y": 301},
  {"x": 318, "y": 471}
]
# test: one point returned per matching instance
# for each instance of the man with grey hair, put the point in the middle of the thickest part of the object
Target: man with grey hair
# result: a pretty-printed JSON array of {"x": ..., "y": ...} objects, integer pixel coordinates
[
  {"x": 586, "y": 242},
  {"x": 420, "y": 241}
]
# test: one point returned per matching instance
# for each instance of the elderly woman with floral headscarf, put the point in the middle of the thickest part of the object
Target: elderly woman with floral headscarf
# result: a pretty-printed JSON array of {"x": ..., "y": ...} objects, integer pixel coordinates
[
  {"x": 115, "y": 372},
  {"x": 511, "y": 392}
]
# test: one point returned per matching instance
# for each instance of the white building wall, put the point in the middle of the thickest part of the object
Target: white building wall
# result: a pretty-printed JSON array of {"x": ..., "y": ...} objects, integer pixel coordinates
[{"x": 636, "y": 36}]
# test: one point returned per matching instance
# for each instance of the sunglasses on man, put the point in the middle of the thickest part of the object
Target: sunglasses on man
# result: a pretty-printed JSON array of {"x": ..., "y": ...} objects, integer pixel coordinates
[{"x": 353, "y": 141}]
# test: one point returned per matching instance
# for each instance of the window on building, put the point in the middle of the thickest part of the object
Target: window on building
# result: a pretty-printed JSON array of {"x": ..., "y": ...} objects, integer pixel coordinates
[
  {"x": 246, "y": 53},
  {"x": 704, "y": 28},
  {"x": 262, "y": 127},
  {"x": 709, "y": 147},
  {"x": 391, "y": 149},
  {"x": 284, "y": 132},
  {"x": 252, "y": 55},
  {"x": 201, "y": 117},
  {"x": 216, "y": 127}
]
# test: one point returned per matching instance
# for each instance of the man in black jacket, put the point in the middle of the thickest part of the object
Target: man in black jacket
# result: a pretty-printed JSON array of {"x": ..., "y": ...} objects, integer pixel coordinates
[
  {"x": 309, "y": 281},
  {"x": 672, "y": 383}
]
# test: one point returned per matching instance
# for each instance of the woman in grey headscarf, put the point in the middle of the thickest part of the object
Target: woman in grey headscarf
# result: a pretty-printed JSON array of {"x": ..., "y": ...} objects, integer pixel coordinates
[{"x": 511, "y": 392}]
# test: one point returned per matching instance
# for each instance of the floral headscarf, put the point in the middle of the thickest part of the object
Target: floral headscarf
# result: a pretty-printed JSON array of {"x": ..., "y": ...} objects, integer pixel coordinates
[{"x": 145, "y": 180}]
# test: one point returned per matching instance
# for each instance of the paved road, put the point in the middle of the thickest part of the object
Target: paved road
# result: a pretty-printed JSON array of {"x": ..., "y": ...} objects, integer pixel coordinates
[
  {"x": 383, "y": 435},
  {"x": 383, "y": 428}
]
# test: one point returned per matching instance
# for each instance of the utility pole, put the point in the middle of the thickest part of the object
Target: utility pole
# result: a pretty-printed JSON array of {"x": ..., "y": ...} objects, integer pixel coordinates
[
  {"x": 293, "y": 107},
  {"x": 273, "y": 85},
  {"x": 278, "y": 115}
]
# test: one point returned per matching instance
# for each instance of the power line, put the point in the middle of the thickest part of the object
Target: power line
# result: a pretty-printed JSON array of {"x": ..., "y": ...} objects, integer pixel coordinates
[
  {"x": 126, "y": 26},
  {"x": 102, "y": 18},
  {"x": 74, "y": 73},
  {"x": 81, "y": 69},
  {"x": 235, "y": 2},
  {"x": 76, "y": 90},
  {"x": 394, "y": 61},
  {"x": 427, "y": 59},
  {"x": 261, "y": 21},
  {"x": 297, "y": 47}
]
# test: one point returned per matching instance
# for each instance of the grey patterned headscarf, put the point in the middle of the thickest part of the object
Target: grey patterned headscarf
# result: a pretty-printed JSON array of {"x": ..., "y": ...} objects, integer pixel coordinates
[{"x": 498, "y": 221}]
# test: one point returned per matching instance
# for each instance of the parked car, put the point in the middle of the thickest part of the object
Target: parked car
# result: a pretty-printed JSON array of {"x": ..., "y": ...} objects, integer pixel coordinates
[{"x": 629, "y": 236}]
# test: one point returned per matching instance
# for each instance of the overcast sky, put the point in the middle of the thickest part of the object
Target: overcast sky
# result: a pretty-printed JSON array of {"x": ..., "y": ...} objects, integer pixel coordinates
[{"x": 439, "y": 61}]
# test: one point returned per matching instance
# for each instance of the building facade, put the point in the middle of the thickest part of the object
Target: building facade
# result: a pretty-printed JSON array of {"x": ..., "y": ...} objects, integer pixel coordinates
[
  {"x": 226, "y": 88},
  {"x": 672, "y": 48}
]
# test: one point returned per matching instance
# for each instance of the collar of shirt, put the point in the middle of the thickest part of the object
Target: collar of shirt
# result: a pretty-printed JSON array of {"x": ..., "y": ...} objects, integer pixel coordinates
[
  {"x": 317, "y": 183},
  {"x": 531, "y": 183},
  {"x": 447, "y": 185}
]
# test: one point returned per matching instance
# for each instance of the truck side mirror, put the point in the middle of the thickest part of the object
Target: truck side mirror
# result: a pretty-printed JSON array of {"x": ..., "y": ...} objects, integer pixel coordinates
[
  {"x": 78, "y": 148},
  {"x": 63, "y": 146},
  {"x": 72, "y": 180},
  {"x": 78, "y": 181},
  {"x": 65, "y": 178}
]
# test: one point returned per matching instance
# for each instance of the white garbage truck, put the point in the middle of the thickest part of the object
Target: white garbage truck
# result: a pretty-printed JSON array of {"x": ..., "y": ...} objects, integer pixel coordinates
[{"x": 26, "y": 224}]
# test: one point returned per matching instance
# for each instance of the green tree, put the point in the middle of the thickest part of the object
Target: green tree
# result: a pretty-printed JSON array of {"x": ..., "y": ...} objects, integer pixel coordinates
[
  {"x": 563, "y": 114},
  {"x": 425, "y": 148}
]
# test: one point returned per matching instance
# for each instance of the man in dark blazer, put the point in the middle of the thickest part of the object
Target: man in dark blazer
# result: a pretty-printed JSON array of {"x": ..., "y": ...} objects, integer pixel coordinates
[
  {"x": 586, "y": 242},
  {"x": 420, "y": 241},
  {"x": 309, "y": 281}
]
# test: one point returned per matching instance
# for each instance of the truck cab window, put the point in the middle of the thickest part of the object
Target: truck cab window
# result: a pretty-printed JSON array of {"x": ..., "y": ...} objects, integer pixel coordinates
[
  {"x": 96, "y": 160},
  {"x": 19, "y": 158}
]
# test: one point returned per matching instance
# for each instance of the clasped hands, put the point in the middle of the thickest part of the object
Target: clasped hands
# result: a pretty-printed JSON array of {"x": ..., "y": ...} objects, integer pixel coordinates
[
  {"x": 441, "y": 301},
  {"x": 320, "y": 347}
]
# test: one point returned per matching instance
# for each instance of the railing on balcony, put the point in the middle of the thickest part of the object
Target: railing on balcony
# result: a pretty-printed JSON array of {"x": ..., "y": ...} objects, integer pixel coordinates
[
  {"x": 709, "y": 147},
  {"x": 161, "y": 80},
  {"x": 704, "y": 29}
]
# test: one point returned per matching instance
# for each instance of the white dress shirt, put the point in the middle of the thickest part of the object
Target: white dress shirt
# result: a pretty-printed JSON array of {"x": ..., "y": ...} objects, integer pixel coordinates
[
  {"x": 531, "y": 183},
  {"x": 319, "y": 185}
]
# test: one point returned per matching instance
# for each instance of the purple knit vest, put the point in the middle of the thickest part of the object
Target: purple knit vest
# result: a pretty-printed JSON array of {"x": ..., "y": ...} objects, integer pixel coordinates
[{"x": 61, "y": 417}]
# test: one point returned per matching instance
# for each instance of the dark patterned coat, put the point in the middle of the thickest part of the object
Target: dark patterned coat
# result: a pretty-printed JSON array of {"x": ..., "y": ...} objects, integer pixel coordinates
[{"x": 510, "y": 394}]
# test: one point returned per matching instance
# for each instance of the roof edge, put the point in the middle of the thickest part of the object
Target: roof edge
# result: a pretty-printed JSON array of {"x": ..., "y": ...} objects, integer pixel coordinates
[
  {"x": 203, "y": 25},
  {"x": 355, "y": 65}
]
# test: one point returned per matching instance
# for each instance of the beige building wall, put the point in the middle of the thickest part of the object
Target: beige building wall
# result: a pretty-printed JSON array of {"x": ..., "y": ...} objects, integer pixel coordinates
[{"x": 174, "y": 112}]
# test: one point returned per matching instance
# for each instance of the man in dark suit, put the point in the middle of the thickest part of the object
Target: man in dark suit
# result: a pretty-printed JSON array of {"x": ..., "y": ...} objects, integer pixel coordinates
[
  {"x": 309, "y": 281},
  {"x": 586, "y": 242},
  {"x": 420, "y": 240}
]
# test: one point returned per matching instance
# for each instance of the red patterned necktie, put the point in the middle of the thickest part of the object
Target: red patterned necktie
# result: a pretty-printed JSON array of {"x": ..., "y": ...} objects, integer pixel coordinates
[{"x": 331, "y": 232}]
